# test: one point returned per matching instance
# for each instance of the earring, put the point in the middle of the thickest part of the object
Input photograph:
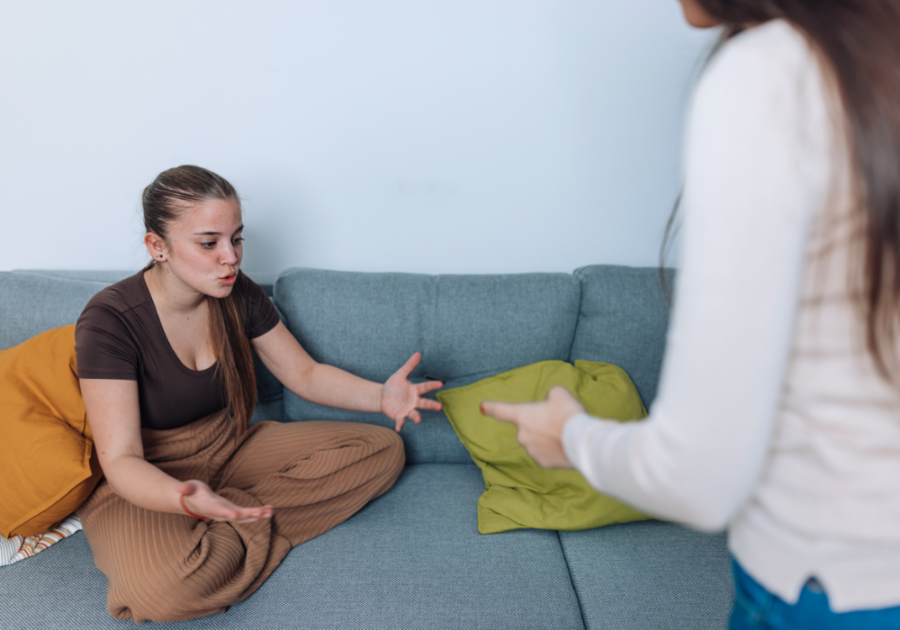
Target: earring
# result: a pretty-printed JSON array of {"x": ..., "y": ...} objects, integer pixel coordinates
[{"x": 160, "y": 255}]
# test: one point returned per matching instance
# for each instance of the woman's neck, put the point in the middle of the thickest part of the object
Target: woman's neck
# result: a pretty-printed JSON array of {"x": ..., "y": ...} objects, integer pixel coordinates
[{"x": 170, "y": 294}]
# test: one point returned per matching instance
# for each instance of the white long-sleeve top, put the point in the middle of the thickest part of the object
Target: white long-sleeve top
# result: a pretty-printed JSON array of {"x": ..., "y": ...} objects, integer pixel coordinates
[{"x": 771, "y": 419}]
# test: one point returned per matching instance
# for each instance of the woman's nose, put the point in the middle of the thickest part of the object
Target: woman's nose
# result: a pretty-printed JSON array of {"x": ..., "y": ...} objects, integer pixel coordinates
[{"x": 230, "y": 256}]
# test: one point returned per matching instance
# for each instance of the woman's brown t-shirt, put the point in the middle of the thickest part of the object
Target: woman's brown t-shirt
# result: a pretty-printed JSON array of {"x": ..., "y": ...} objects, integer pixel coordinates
[{"x": 119, "y": 336}]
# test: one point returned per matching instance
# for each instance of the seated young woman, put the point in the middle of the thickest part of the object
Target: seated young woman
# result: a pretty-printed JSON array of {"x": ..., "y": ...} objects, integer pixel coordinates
[{"x": 197, "y": 507}]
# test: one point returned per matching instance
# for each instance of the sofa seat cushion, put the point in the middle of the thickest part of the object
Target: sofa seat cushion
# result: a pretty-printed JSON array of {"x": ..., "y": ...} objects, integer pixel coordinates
[
  {"x": 650, "y": 575},
  {"x": 413, "y": 558},
  {"x": 57, "y": 589}
]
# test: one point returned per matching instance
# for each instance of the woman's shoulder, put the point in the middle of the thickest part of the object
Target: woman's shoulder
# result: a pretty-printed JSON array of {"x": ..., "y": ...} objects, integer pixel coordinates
[
  {"x": 769, "y": 74},
  {"x": 250, "y": 288},
  {"x": 256, "y": 308},
  {"x": 105, "y": 333},
  {"x": 122, "y": 296},
  {"x": 774, "y": 36},
  {"x": 108, "y": 311},
  {"x": 773, "y": 53}
]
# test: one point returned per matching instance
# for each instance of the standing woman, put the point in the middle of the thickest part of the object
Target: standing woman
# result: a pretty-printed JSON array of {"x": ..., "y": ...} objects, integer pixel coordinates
[
  {"x": 197, "y": 508},
  {"x": 778, "y": 415}
]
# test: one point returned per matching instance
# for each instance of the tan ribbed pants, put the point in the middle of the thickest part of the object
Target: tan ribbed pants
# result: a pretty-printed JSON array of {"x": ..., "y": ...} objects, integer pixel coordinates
[{"x": 169, "y": 567}]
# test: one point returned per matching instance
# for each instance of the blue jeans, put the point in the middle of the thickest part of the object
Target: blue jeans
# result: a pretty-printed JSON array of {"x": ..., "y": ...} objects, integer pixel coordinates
[{"x": 755, "y": 608}]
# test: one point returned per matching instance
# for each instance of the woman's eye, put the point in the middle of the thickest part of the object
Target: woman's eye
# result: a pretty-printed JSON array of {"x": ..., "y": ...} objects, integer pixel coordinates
[
  {"x": 238, "y": 240},
  {"x": 208, "y": 245}
]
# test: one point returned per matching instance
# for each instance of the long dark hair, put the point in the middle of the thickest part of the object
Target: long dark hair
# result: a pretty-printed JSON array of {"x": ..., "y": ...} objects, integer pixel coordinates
[
  {"x": 858, "y": 45},
  {"x": 171, "y": 193}
]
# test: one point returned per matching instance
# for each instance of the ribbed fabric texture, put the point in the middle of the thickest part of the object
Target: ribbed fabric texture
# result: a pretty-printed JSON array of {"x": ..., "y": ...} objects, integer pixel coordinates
[{"x": 169, "y": 567}]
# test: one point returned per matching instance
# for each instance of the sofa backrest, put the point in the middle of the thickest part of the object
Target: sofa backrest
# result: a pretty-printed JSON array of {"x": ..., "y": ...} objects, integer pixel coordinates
[
  {"x": 32, "y": 302},
  {"x": 467, "y": 327},
  {"x": 623, "y": 320}
]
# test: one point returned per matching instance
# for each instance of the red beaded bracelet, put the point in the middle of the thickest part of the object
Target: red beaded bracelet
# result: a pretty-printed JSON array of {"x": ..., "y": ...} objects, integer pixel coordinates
[{"x": 184, "y": 507}]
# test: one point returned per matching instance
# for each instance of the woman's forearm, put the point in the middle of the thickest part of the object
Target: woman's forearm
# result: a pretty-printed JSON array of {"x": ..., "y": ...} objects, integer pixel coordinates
[
  {"x": 333, "y": 387},
  {"x": 397, "y": 398},
  {"x": 143, "y": 484}
]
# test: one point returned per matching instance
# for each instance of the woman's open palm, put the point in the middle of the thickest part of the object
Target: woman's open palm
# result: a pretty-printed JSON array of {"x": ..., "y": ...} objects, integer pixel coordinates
[
  {"x": 200, "y": 499},
  {"x": 401, "y": 399}
]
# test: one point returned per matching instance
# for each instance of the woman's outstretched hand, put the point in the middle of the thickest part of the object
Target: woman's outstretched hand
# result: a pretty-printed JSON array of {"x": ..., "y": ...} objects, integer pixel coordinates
[
  {"x": 400, "y": 399},
  {"x": 202, "y": 501},
  {"x": 540, "y": 424}
]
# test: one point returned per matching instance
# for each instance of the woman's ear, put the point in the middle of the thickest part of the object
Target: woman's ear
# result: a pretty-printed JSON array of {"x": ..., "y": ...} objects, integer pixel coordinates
[{"x": 156, "y": 246}]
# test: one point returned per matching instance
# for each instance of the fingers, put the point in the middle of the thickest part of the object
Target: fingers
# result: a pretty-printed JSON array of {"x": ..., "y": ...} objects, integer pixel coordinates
[
  {"x": 254, "y": 513},
  {"x": 412, "y": 415},
  {"x": 251, "y": 515},
  {"x": 427, "y": 403},
  {"x": 205, "y": 503},
  {"x": 227, "y": 511},
  {"x": 561, "y": 393},
  {"x": 410, "y": 365},
  {"x": 563, "y": 402},
  {"x": 501, "y": 411},
  {"x": 428, "y": 386}
]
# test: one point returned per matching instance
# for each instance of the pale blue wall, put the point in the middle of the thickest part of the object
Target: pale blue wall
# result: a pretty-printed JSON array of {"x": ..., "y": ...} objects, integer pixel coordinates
[{"x": 407, "y": 135}]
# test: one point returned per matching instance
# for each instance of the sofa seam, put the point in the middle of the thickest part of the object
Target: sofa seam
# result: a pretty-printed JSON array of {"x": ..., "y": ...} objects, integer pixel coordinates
[
  {"x": 580, "y": 281},
  {"x": 565, "y": 556}
]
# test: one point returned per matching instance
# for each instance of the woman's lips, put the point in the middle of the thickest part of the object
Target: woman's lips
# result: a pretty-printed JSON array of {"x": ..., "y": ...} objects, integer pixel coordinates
[{"x": 229, "y": 279}]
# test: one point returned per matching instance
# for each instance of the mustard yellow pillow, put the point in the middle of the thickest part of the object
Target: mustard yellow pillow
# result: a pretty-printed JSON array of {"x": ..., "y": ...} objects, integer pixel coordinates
[{"x": 47, "y": 461}]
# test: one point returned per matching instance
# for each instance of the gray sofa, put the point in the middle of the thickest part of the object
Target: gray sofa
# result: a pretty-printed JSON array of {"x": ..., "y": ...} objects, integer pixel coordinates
[{"x": 413, "y": 558}]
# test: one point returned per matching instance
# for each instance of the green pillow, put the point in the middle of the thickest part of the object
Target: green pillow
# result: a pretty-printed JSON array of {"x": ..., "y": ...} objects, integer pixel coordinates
[{"x": 519, "y": 492}]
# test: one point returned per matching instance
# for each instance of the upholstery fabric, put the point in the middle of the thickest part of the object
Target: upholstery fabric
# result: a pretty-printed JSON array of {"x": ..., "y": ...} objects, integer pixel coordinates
[
  {"x": 623, "y": 320},
  {"x": 105, "y": 276},
  {"x": 466, "y": 327},
  {"x": 366, "y": 323},
  {"x": 518, "y": 491},
  {"x": 65, "y": 575},
  {"x": 414, "y": 559},
  {"x": 650, "y": 575},
  {"x": 31, "y": 304},
  {"x": 496, "y": 323}
]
